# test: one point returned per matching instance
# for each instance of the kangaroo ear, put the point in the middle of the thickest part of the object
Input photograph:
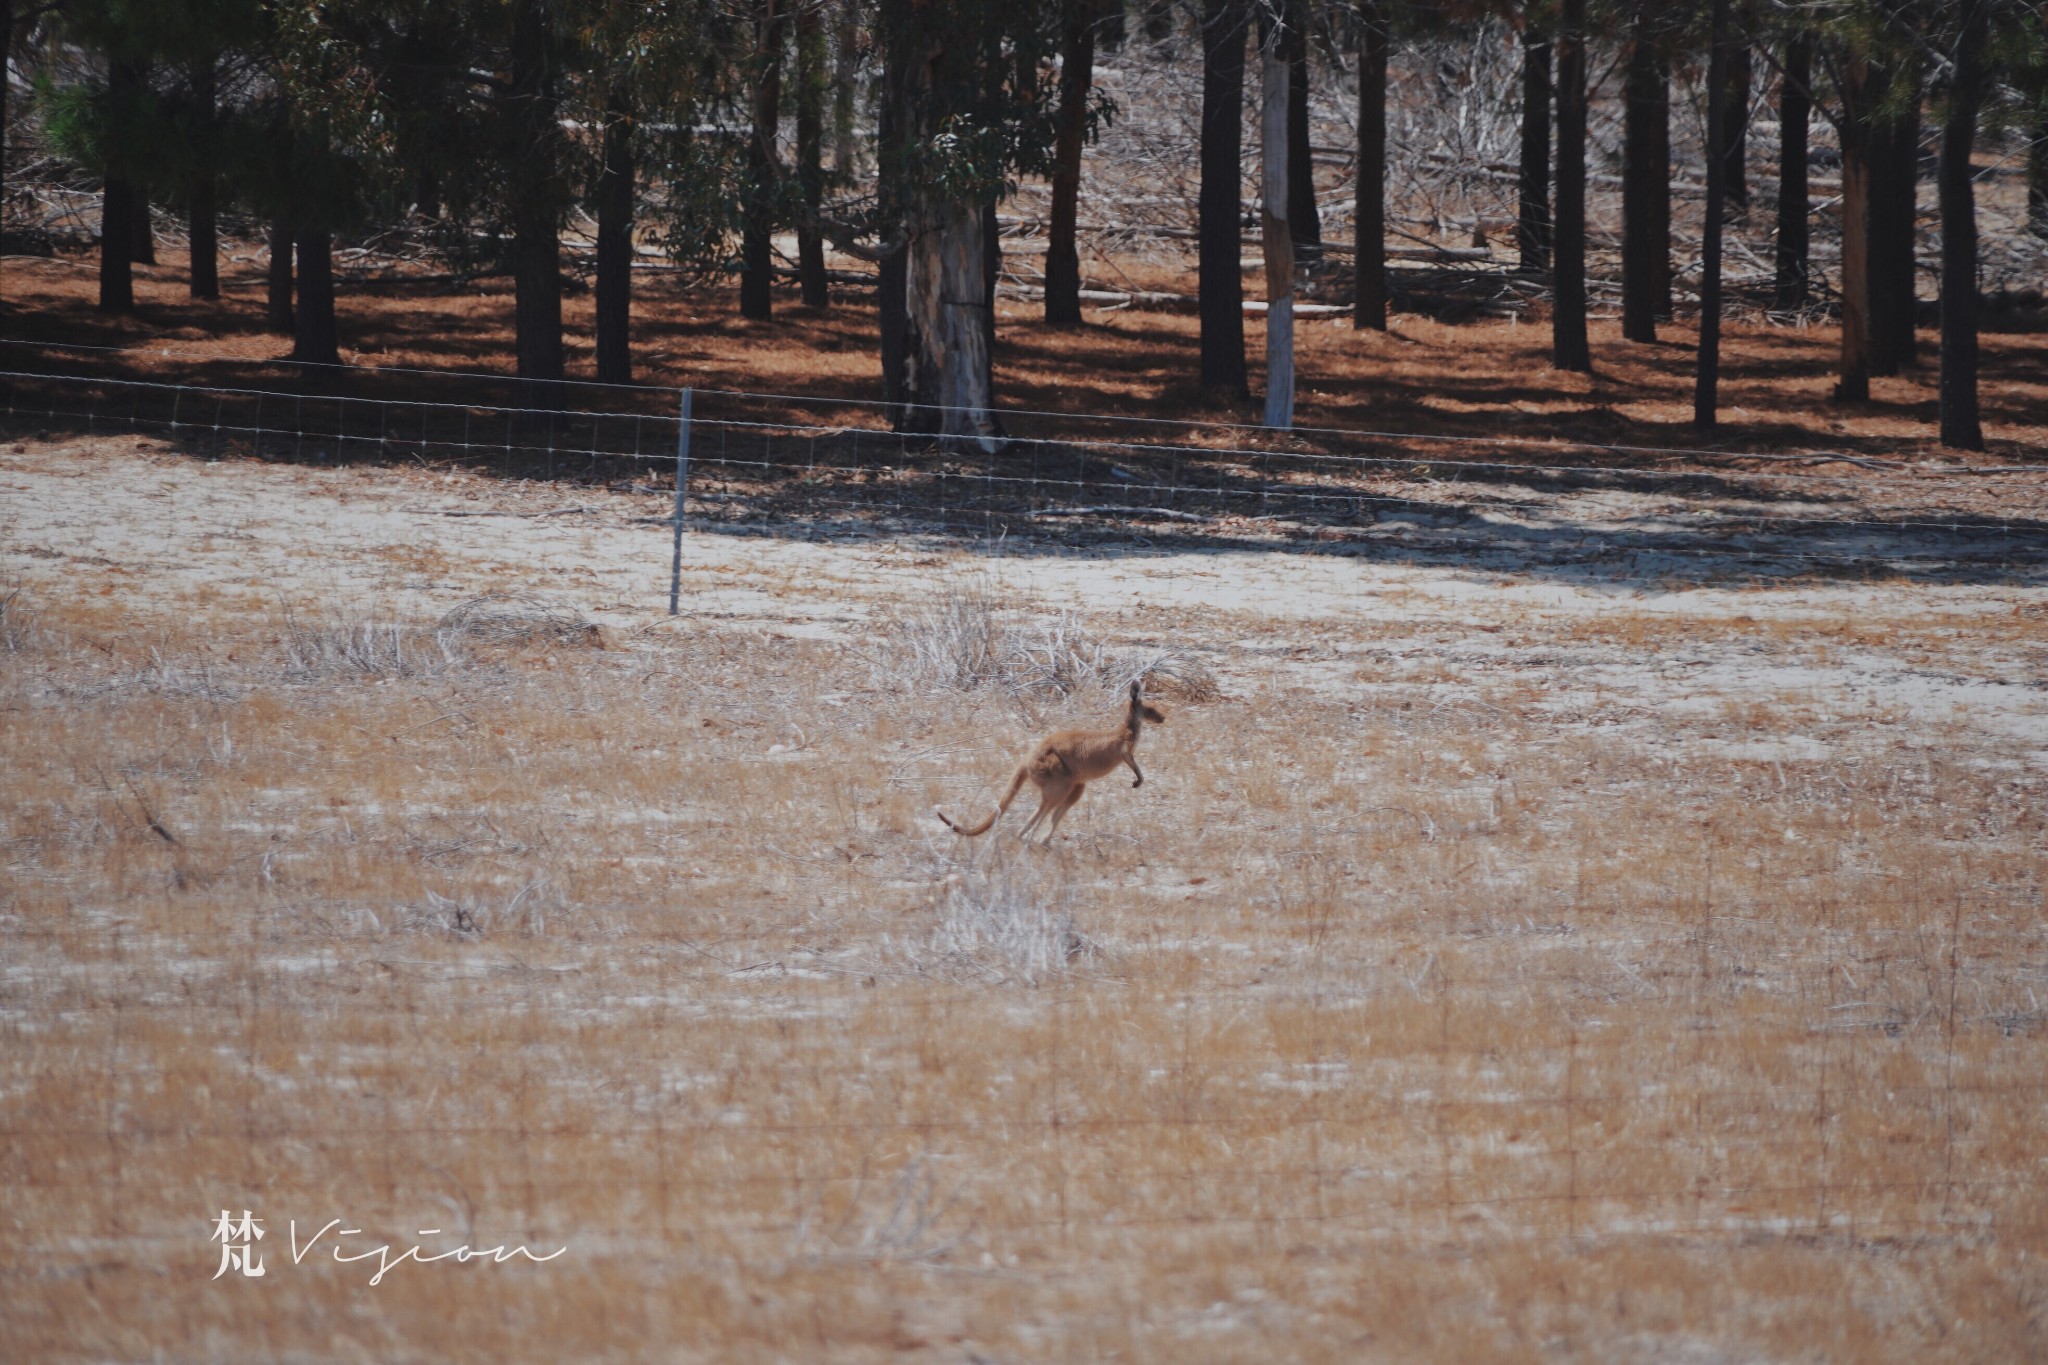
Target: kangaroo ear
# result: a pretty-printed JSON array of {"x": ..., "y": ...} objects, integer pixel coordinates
[{"x": 1134, "y": 689}]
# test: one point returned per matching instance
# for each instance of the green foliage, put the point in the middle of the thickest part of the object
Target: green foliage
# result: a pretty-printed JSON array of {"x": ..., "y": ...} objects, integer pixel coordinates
[{"x": 978, "y": 91}]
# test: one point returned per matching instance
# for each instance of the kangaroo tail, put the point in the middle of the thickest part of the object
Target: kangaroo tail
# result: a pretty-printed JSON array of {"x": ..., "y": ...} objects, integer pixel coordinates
[{"x": 1011, "y": 795}]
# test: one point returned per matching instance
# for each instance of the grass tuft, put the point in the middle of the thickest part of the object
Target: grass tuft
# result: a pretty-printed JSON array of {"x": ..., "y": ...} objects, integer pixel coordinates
[
  {"x": 18, "y": 630},
  {"x": 1009, "y": 919},
  {"x": 959, "y": 640},
  {"x": 353, "y": 647},
  {"x": 513, "y": 620}
]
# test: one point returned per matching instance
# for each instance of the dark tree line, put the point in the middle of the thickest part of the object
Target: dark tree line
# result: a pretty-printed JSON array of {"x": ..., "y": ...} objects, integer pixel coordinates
[{"x": 485, "y": 124}]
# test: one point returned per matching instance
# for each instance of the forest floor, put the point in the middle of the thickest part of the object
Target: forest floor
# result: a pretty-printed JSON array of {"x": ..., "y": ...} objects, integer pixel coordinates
[
  {"x": 1482, "y": 378},
  {"x": 1500, "y": 960}
]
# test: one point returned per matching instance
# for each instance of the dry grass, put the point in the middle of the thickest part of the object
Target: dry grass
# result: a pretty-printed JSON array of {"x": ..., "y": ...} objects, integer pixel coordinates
[{"x": 1419, "y": 1004}]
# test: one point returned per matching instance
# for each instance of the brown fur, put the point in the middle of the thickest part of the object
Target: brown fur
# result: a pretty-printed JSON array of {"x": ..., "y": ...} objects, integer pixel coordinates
[{"x": 1065, "y": 763}]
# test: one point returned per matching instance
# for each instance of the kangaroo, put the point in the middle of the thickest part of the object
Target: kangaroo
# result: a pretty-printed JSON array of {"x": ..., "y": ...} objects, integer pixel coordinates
[{"x": 1065, "y": 763}]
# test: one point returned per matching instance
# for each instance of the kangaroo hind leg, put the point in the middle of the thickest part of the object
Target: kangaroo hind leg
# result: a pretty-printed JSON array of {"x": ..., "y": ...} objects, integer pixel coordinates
[
  {"x": 1073, "y": 799},
  {"x": 1050, "y": 798}
]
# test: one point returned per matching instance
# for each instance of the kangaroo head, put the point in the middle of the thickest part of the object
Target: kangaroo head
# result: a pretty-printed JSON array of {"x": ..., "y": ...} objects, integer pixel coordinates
[{"x": 1144, "y": 710}]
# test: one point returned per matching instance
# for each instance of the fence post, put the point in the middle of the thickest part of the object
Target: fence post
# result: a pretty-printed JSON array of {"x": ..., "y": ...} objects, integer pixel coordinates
[{"x": 675, "y": 571}]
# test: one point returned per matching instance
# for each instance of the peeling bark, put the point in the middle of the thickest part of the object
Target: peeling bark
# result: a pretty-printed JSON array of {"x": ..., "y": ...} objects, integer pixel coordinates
[{"x": 947, "y": 351}]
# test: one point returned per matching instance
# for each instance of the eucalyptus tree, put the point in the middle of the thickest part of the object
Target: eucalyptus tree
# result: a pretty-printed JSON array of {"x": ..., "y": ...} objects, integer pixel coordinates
[
  {"x": 1871, "y": 69},
  {"x": 1537, "y": 18},
  {"x": 642, "y": 62},
  {"x": 1369, "y": 201},
  {"x": 108, "y": 123},
  {"x": 1649, "y": 40},
  {"x": 970, "y": 93},
  {"x": 1792, "y": 249},
  {"x": 812, "y": 78},
  {"x": 1226, "y": 25},
  {"x": 1569, "y": 349},
  {"x": 1080, "y": 108},
  {"x": 1707, "y": 359},
  {"x": 1275, "y": 206},
  {"x": 1971, "y": 41}
]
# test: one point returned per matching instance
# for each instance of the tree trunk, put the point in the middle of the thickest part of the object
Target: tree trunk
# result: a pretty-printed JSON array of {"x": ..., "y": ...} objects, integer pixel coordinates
[
  {"x": 426, "y": 193},
  {"x": 898, "y": 342},
  {"x": 991, "y": 276},
  {"x": 1220, "y": 287},
  {"x": 537, "y": 198},
  {"x": 1274, "y": 68},
  {"x": 757, "y": 263},
  {"x": 1961, "y": 428},
  {"x": 277, "y": 312},
  {"x": 315, "y": 340},
  {"x": 892, "y": 296},
  {"x": 1853, "y": 383},
  {"x": 145, "y": 229},
  {"x": 1645, "y": 180},
  {"x": 1062, "y": 254},
  {"x": 1894, "y": 211},
  {"x": 6, "y": 54},
  {"x": 810, "y": 154},
  {"x": 1369, "y": 300},
  {"x": 1795, "y": 110},
  {"x": 1303, "y": 221},
  {"x": 1734, "y": 128},
  {"x": 1569, "y": 350},
  {"x": 1532, "y": 234},
  {"x": 117, "y": 209},
  {"x": 2037, "y": 177},
  {"x": 1706, "y": 392},
  {"x": 117, "y": 243},
  {"x": 949, "y": 321},
  {"x": 203, "y": 271},
  {"x": 845, "y": 86},
  {"x": 615, "y": 244}
]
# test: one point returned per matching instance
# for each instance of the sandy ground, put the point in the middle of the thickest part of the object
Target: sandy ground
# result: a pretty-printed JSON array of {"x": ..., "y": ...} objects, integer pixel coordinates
[
  {"x": 155, "y": 526},
  {"x": 1516, "y": 956}
]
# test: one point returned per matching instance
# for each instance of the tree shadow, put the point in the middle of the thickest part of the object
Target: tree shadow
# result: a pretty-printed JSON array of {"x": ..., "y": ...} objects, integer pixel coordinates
[{"x": 1608, "y": 517}]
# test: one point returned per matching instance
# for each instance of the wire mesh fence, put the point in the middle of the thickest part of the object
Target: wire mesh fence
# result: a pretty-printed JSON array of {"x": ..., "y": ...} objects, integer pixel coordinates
[{"x": 766, "y": 461}]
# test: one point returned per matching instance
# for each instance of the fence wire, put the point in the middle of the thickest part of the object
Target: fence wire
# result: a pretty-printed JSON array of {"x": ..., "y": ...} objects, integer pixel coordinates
[{"x": 764, "y": 462}]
